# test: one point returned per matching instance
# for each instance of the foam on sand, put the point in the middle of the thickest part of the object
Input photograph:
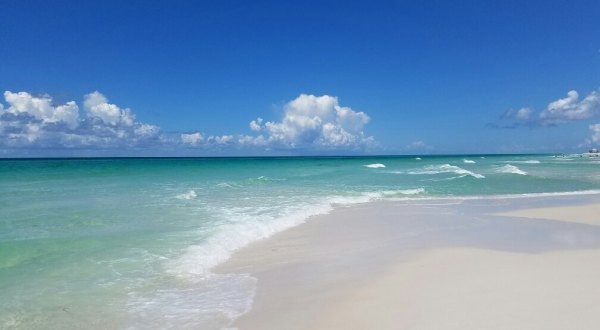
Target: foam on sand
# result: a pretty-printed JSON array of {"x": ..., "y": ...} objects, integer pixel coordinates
[{"x": 429, "y": 257}]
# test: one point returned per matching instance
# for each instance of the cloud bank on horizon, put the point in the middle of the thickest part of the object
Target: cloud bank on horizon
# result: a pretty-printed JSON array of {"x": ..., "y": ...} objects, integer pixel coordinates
[{"x": 308, "y": 122}]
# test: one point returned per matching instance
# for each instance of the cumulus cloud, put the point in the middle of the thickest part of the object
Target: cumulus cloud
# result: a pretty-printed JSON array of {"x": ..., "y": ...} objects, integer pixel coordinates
[
  {"x": 34, "y": 121},
  {"x": 522, "y": 114},
  {"x": 97, "y": 107},
  {"x": 571, "y": 108},
  {"x": 567, "y": 109},
  {"x": 40, "y": 108},
  {"x": 595, "y": 138},
  {"x": 308, "y": 122},
  {"x": 319, "y": 121},
  {"x": 255, "y": 124},
  {"x": 220, "y": 140},
  {"x": 192, "y": 138}
]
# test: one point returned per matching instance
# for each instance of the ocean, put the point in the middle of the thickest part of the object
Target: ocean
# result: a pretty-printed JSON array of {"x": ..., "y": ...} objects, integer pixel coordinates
[{"x": 130, "y": 243}]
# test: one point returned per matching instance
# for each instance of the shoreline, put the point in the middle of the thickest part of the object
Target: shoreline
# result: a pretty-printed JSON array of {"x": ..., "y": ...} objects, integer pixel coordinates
[{"x": 352, "y": 268}]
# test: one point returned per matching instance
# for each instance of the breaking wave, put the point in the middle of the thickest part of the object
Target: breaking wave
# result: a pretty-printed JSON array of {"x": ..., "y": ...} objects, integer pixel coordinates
[
  {"x": 532, "y": 161},
  {"x": 377, "y": 165},
  {"x": 188, "y": 195},
  {"x": 446, "y": 168},
  {"x": 510, "y": 169}
]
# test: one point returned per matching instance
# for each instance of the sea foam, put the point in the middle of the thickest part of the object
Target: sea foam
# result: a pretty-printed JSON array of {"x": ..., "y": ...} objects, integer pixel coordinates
[
  {"x": 377, "y": 165},
  {"x": 244, "y": 228},
  {"x": 531, "y": 161},
  {"x": 415, "y": 191},
  {"x": 446, "y": 168},
  {"x": 468, "y": 161},
  {"x": 188, "y": 195},
  {"x": 510, "y": 169}
]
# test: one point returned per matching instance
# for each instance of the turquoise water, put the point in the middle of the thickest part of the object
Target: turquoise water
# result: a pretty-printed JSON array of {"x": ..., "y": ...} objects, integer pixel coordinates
[{"x": 130, "y": 243}]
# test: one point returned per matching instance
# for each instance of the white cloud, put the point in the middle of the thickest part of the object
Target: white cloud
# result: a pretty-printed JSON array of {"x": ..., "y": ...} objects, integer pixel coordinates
[
  {"x": 595, "y": 138},
  {"x": 570, "y": 108},
  {"x": 308, "y": 122},
  {"x": 319, "y": 121},
  {"x": 255, "y": 125},
  {"x": 33, "y": 121},
  {"x": 224, "y": 139},
  {"x": 41, "y": 108},
  {"x": 146, "y": 130},
  {"x": 192, "y": 138},
  {"x": 522, "y": 114},
  {"x": 248, "y": 140},
  {"x": 220, "y": 140},
  {"x": 97, "y": 106}
]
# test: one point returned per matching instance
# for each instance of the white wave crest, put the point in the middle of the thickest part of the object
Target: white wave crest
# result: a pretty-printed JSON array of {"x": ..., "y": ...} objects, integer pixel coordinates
[
  {"x": 385, "y": 194},
  {"x": 199, "y": 259},
  {"x": 446, "y": 168},
  {"x": 418, "y": 158},
  {"x": 188, "y": 195},
  {"x": 260, "y": 180},
  {"x": 532, "y": 161},
  {"x": 377, "y": 165},
  {"x": 246, "y": 228},
  {"x": 468, "y": 161},
  {"x": 510, "y": 169},
  {"x": 415, "y": 191}
]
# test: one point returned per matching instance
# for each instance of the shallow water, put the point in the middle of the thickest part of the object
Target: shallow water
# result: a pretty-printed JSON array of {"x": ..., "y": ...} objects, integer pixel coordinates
[{"x": 130, "y": 243}]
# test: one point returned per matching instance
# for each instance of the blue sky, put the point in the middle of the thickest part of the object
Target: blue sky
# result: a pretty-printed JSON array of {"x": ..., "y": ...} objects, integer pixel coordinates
[{"x": 325, "y": 77}]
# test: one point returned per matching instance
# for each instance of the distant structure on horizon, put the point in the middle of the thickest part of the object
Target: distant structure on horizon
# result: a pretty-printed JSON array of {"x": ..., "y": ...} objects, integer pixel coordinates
[{"x": 594, "y": 152}]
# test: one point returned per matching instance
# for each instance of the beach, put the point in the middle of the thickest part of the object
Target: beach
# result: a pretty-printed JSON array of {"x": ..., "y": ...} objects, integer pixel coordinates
[
  {"x": 462, "y": 241},
  {"x": 496, "y": 263}
]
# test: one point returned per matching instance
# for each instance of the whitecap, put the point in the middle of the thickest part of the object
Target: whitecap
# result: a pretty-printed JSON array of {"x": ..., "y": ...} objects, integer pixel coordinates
[
  {"x": 414, "y": 191},
  {"x": 418, "y": 158},
  {"x": 446, "y": 168},
  {"x": 510, "y": 169},
  {"x": 261, "y": 180},
  {"x": 377, "y": 165},
  {"x": 531, "y": 161},
  {"x": 188, "y": 195},
  {"x": 468, "y": 161}
]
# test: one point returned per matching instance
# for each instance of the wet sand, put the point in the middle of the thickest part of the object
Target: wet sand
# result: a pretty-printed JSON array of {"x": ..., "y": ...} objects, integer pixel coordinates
[{"x": 430, "y": 265}]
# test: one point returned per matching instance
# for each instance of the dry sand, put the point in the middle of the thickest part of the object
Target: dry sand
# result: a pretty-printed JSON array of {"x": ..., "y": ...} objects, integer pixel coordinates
[{"x": 429, "y": 265}]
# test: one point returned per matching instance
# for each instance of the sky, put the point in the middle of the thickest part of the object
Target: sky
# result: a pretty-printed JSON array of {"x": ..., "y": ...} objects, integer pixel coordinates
[{"x": 231, "y": 78}]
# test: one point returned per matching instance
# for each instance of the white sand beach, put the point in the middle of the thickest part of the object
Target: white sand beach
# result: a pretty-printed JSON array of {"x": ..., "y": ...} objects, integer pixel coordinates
[
  {"x": 587, "y": 214},
  {"x": 431, "y": 265}
]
